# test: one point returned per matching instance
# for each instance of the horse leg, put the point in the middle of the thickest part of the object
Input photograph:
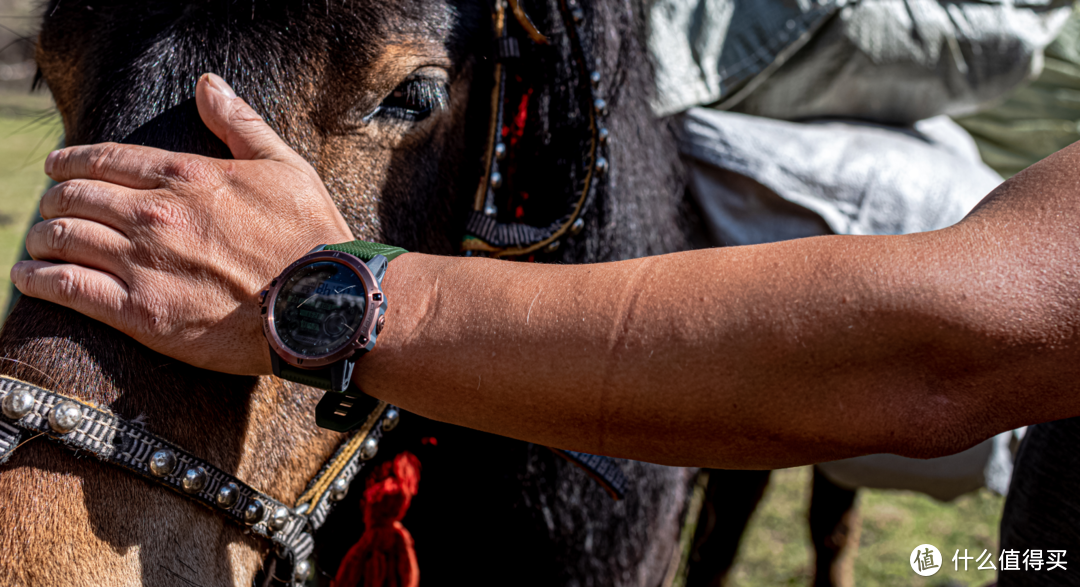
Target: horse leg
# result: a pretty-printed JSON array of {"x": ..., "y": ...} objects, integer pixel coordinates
[
  {"x": 834, "y": 530},
  {"x": 730, "y": 499}
]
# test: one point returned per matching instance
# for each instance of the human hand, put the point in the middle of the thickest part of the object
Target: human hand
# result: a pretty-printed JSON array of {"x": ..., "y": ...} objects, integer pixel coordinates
[{"x": 173, "y": 249}]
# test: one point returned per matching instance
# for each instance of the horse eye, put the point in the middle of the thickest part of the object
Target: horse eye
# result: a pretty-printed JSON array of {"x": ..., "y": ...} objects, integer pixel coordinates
[{"x": 414, "y": 100}]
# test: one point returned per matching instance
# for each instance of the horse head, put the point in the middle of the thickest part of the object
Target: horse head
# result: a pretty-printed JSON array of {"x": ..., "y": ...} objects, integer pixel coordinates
[{"x": 390, "y": 102}]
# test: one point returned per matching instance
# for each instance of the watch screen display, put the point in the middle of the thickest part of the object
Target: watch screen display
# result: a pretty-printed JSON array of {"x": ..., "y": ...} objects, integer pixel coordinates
[{"x": 319, "y": 308}]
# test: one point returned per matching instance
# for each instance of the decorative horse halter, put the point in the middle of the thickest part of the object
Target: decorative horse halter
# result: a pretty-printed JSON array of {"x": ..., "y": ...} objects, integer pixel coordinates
[
  {"x": 485, "y": 234},
  {"x": 80, "y": 426}
]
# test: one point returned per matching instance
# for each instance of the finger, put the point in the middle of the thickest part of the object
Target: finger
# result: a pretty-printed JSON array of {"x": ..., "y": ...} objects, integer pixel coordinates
[
  {"x": 235, "y": 123},
  {"x": 94, "y": 293},
  {"x": 99, "y": 201},
  {"x": 133, "y": 166},
  {"x": 85, "y": 242}
]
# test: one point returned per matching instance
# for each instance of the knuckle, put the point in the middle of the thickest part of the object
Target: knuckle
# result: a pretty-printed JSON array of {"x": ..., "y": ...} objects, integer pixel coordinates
[
  {"x": 151, "y": 317},
  {"x": 51, "y": 235},
  {"x": 56, "y": 233},
  {"x": 160, "y": 213},
  {"x": 189, "y": 169},
  {"x": 100, "y": 159},
  {"x": 66, "y": 286},
  {"x": 64, "y": 196}
]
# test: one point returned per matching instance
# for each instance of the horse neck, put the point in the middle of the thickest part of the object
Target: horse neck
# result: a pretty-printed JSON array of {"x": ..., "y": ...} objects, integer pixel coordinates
[
  {"x": 642, "y": 208},
  {"x": 257, "y": 430}
]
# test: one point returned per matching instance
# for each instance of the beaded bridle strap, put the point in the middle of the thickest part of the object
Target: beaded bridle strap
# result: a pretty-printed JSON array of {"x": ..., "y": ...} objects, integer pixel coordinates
[
  {"x": 484, "y": 233},
  {"x": 79, "y": 426}
]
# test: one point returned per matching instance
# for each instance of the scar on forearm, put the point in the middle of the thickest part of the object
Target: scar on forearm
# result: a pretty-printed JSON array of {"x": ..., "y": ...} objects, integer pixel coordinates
[{"x": 527, "y": 315}]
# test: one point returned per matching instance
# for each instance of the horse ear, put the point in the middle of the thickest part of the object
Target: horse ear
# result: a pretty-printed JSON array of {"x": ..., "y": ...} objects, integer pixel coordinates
[{"x": 237, "y": 124}]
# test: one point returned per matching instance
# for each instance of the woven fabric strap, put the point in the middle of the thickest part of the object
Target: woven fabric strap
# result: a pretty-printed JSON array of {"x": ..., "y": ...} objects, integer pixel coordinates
[
  {"x": 128, "y": 445},
  {"x": 366, "y": 251},
  {"x": 604, "y": 470}
]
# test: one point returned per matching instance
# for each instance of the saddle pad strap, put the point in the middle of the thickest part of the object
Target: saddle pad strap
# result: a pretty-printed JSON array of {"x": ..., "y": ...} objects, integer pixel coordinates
[{"x": 604, "y": 470}]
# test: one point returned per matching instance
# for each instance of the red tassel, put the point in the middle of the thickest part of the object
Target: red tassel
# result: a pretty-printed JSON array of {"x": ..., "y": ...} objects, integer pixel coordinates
[{"x": 384, "y": 555}]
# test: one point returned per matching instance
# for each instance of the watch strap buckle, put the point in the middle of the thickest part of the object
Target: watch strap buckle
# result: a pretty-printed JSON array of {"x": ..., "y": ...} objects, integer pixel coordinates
[{"x": 344, "y": 411}]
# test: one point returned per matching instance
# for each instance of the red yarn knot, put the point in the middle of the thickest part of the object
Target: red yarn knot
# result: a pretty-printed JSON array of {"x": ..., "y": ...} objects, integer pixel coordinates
[{"x": 384, "y": 556}]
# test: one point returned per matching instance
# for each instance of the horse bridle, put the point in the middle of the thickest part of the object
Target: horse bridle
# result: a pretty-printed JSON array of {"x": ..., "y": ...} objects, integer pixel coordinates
[
  {"x": 484, "y": 233},
  {"x": 30, "y": 410}
]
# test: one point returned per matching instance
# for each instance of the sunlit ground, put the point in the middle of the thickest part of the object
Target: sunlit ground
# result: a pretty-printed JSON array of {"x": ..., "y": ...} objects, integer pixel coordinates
[{"x": 776, "y": 548}]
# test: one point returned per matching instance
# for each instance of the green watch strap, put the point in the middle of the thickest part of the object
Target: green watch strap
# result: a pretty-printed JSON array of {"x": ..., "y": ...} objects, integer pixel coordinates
[
  {"x": 314, "y": 377},
  {"x": 367, "y": 251}
]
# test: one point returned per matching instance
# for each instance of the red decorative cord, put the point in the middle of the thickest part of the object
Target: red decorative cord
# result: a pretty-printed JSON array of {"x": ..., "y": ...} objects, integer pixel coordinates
[{"x": 384, "y": 556}]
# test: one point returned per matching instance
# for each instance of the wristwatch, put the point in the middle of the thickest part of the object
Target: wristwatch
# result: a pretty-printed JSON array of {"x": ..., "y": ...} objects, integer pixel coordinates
[{"x": 323, "y": 313}]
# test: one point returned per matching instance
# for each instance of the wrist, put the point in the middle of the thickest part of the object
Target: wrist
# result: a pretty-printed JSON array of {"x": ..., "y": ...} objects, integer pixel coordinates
[
  {"x": 412, "y": 288},
  {"x": 325, "y": 311}
]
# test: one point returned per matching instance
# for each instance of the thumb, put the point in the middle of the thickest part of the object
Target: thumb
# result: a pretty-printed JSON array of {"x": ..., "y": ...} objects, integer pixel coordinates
[{"x": 237, "y": 124}]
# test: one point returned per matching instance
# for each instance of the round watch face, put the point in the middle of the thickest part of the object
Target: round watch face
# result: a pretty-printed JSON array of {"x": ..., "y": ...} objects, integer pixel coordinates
[{"x": 319, "y": 308}]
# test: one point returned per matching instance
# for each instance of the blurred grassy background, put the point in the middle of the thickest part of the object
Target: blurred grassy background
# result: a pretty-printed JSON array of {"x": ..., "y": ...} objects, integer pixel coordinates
[
  {"x": 776, "y": 548},
  {"x": 29, "y": 129}
]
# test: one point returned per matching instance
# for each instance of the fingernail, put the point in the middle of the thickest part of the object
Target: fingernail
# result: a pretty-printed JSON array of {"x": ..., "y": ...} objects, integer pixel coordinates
[
  {"x": 220, "y": 86},
  {"x": 50, "y": 161},
  {"x": 17, "y": 272}
]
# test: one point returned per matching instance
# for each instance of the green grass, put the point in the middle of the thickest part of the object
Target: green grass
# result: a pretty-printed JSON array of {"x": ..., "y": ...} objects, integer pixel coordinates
[
  {"x": 776, "y": 548},
  {"x": 28, "y": 131}
]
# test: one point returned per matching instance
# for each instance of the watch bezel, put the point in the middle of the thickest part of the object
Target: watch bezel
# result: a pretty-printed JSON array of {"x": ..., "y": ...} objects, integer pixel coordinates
[{"x": 364, "y": 334}]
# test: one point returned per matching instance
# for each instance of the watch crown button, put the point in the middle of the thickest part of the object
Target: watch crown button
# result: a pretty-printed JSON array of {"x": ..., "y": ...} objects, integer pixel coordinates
[{"x": 379, "y": 325}]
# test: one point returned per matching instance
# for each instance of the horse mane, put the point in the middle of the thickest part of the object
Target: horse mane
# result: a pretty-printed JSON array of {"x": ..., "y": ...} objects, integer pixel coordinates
[{"x": 641, "y": 207}]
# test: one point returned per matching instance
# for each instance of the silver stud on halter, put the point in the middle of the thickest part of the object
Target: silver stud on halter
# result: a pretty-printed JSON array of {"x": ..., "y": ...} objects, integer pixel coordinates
[
  {"x": 254, "y": 511},
  {"x": 17, "y": 403},
  {"x": 278, "y": 519},
  {"x": 338, "y": 489},
  {"x": 162, "y": 462},
  {"x": 302, "y": 570},
  {"x": 390, "y": 419},
  {"x": 65, "y": 417},
  {"x": 194, "y": 480},
  {"x": 227, "y": 495},
  {"x": 368, "y": 449}
]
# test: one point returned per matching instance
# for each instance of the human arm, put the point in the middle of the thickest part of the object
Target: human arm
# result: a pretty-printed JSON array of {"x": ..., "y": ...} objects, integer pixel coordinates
[
  {"x": 743, "y": 357},
  {"x": 765, "y": 356}
]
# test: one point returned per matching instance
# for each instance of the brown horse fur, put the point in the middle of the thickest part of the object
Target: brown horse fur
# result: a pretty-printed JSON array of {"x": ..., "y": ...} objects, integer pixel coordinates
[{"x": 490, "y": 510}]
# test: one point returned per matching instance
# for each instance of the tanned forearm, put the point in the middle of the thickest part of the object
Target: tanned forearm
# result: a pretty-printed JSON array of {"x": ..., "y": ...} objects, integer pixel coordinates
[
  {"x": 764, "y": 356},
  {"x": 759, "y": 356}
]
